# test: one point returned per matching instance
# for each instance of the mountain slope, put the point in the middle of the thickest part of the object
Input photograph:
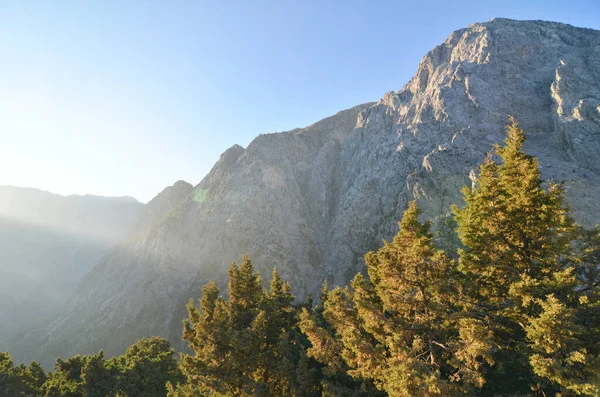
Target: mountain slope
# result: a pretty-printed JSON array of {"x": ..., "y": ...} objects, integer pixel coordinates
[
  {"x": 312, "y": 201},
  {"x": 47, "y": 244}
]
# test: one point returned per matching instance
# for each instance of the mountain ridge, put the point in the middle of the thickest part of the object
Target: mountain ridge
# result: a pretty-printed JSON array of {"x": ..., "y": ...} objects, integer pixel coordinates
[
  {"x": 48, "y": 242},
  {"x": 313, "y": 200},
  {"x": 73, "y": 195}
]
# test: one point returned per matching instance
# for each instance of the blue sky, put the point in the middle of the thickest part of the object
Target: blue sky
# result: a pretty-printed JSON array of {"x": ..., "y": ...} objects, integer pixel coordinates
[{"x": 126, "y": 97}]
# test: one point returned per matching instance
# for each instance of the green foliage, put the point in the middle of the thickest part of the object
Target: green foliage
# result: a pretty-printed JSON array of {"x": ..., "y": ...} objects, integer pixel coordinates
[
  {"x": 22, "y": 380},
  {"x": 186, "y": 390},
  {"x": 246, "y": 345},
  {"x": 145, "y": 368},
  {"x": 526, "y": 265},
  {"x": 511, "y": 226},
  {"x": 402, "y": 328},
  {"x": 67, "y": 380},
  {"x": 559, "y": 352}
]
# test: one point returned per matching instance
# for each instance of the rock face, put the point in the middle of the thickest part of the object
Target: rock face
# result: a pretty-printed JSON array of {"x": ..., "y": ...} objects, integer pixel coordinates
[
  {"x": 312, "y": 201},
  {"x": 47, "y": 244}
]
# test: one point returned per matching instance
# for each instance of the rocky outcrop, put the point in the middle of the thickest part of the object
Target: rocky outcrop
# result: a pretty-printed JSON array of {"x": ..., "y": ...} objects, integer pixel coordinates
[{"x": 312, "y": 201}]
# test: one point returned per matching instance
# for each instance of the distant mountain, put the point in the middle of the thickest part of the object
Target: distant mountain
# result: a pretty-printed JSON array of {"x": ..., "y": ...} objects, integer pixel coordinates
[
  {"x": 312, "y": 201},
  {"x": 47, "y": 244}
]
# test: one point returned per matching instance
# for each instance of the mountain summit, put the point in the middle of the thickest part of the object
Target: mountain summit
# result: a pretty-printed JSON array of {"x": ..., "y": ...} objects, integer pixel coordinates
[{"x": 312, "y": 201}]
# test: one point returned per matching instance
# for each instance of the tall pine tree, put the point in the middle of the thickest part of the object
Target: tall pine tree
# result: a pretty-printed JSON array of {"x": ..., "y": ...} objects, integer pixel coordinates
[
  {"x": 402, "y": 327},
  {"x": 247, "y": 345},
  {"x": 520, "y": 269}
]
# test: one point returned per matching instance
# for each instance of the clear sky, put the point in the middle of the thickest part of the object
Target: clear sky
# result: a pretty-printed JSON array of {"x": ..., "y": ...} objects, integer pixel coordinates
[{"x": 125, "y": 97}]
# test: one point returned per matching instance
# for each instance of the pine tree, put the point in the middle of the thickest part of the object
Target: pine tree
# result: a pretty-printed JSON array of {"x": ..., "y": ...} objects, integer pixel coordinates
[
  {"x": 97, "y": 379},
  {"x": 145, "y": 368},
  {"x": 207, "y": 333},
  {"x": 20, "y": 380},
  {"x": 9, "y": 380},
  {"x": 279, "y": 355},
  {"x": 511, "y": 226},
  {"x": 564, "y": 336},
  {"x": 247, "y": 345},
  {"x": 66, "y": 380},
  {"x": 401, "y": 328},
  {"x": 33, "y": 377},
  {"x": 520, "y": 272}
]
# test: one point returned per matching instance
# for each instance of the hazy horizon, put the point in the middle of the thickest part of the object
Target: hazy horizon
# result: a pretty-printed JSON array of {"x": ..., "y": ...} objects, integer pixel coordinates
[{"x": 125, "y": 98}]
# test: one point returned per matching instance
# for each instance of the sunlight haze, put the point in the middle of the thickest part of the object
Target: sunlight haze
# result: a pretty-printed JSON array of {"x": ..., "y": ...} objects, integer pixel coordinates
[{"x": 123, "y": 98}]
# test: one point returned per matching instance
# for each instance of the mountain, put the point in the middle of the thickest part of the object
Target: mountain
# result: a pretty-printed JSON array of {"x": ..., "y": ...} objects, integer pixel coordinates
[
  {"x": 47, "y": 244},
  {"x": 312, "y": 201}
]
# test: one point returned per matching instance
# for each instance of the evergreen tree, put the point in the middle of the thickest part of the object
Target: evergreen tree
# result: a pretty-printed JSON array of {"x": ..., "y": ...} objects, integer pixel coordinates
[
  {"x": 246, "y": 345},
  {"x": 401, "y": 327},
  {"x": 97, "y": 379},
  {"x": 33, "y": 378},
  {"x": 145, "y": 368},
  {"x": 327, "y": 349},
  {"x": 520, "y": 269},
  {"x": 10, "y": 382},
  {"x": 67, "y": 379},
  {"x": 80, "y": 376},
  {"x": 564, "y": 336},
  {"x": 21, "y": 380}
]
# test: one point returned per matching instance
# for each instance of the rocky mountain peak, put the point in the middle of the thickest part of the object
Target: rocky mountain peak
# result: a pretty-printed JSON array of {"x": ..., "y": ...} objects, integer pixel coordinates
[{"x": 313, "y": 201}]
